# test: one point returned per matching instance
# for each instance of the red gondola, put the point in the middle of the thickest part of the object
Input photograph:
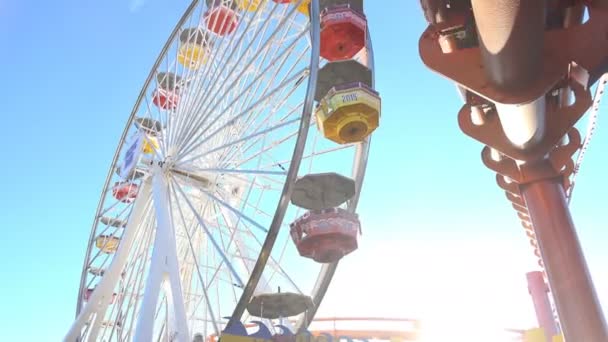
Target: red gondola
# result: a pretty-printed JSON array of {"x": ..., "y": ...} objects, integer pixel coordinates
[
  {"x": 221, "y": 19},
  {"x": 125, "y": 192},
  {"x": 343, "y": 33},
  {"x": 326, "y": 235},
  {"x": 165, "y": 99}
]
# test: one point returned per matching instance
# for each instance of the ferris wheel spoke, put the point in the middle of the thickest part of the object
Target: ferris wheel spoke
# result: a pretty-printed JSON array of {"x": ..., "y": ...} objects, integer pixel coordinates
[
  {"x": 244, "y": 172},
  {"x": 217, "y": 271},
  {"x": 193, "y": 170},
  {"x": 269, "y": 179},
  {"x": 244, "y": 255},
  {"x": 240, "y": 248},
  {"x": 230, "y": 155},
  {"x": 311, "y": 155},
  {"x": 278, "y": 60},
  {"x": 233, "y": 231},
  {"x": 187, "y": 75},
  {"x": 199, "y": 268},
  {"x": 185, "y": 111},
  {"x": 255, "y": 208},
  {"x": 210, "y": 237},
  {"x": 192, "y": 242},
  {"x": 191, "y": 251},
  {"x": 231, "y": 279},
  {"x": 194, "y": 257},
  {"x": 237, "y": 91},
  {"x": 281, "y": 100},
  {"x": 234, "y": 234},
  {"x": 198, "y": 98},
  {"x": 236, "y": 211},
  {"x": 251, "y": 260},
  {"x": 245, "y": 147},
  {"x": 215, "y": 94},
  {"x": 256, "y": 131},
  {"x": 264, "y": 99},
  {"x": 262, "y": 151},
  {"x": 246, "y": 100},
  {"x": 261, "y": 100},
  {"x": 241, "y": 140},
  {"x": 276, "y": 264},
  {"x": 232, "y": 49}
]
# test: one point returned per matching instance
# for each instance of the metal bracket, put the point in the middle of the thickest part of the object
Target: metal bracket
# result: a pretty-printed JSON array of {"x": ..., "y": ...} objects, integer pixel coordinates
[
  {"x": 558, "y": 122},
  {"x": 585, "y": 44}
]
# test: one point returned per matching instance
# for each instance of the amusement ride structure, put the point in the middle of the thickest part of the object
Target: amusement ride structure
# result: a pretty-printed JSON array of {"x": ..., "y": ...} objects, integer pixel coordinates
[
  {"x": 231, "y": 197},
  {"x": 525, "y": 70}
]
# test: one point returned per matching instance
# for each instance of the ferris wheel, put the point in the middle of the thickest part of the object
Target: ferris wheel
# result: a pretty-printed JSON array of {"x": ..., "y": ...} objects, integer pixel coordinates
[{"x": 238, "y": 172}]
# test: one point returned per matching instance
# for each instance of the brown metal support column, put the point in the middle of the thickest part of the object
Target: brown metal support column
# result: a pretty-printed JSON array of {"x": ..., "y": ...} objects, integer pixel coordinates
[
  {"x": 540, "y": 297},
  {"x": 577, "y": 304}
]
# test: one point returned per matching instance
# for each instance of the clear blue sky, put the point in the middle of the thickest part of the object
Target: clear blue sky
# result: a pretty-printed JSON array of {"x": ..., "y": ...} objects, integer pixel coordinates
[{"x": 71, "y": 71}]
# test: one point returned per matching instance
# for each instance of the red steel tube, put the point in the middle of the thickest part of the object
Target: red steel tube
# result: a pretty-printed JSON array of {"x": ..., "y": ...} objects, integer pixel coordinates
[
  {"x": 577, "y": 304},
  {"x": 539, "y": 292}
]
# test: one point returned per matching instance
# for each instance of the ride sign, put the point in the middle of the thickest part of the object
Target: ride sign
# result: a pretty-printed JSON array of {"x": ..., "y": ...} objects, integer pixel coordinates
[{"x": 132, "y": 156}]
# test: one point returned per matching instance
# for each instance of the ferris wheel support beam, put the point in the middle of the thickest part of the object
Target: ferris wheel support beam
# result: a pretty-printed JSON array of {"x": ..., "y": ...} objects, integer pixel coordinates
[
  {"x": 97, "y": 303},
  {"x": 164, "y": 270}
]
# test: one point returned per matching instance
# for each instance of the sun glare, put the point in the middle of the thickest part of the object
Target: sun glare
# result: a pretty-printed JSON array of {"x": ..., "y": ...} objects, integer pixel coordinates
[{"x": 444, "y": 329}]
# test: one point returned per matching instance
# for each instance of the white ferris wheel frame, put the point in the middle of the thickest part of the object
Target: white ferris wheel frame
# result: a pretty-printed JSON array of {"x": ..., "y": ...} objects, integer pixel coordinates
[{"x": 164, "y": 267}]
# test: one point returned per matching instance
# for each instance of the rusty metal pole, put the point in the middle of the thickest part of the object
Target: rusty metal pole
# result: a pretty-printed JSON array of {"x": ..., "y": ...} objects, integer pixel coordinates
[
  {"x": 577, "y": 304},
  {"x": 539, "y": 291}
]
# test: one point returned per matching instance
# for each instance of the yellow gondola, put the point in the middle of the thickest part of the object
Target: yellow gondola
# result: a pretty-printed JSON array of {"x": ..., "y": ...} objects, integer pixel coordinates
[
  {"x": 248, "y": 5},
  {"x": 192, "y": 56},
  {"x": 193, "y": 50},
  {"x": 303, "y": 7},
  {"x": 349, "y": 113},
  {"x": 107, "y": 244},
  {"x": 150, "y": 145}
]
